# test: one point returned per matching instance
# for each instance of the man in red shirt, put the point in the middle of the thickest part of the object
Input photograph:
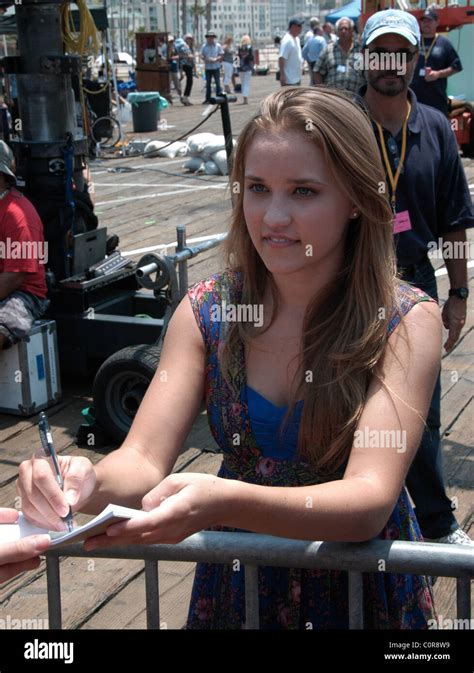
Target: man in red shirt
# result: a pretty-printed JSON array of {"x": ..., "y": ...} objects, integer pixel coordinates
[{"x": 23, "y": 255}]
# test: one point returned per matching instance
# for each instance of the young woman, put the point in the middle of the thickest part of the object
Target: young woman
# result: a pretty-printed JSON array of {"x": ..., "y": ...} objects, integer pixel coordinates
[
  {"x": 246, "y": 60},
  {"x": 344, "y": 351},
  {"x": 228, "y": 62}
]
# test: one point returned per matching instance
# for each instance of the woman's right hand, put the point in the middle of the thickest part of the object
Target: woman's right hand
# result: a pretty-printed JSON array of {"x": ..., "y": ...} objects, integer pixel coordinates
[{"x": 42, "y": 501}]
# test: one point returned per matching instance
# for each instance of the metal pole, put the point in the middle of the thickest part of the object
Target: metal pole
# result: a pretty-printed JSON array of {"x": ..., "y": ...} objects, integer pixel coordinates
[
  {"x": 152, "y": 595},
  {"x": 252, "y": 617},
  {"x": 53, "y": 581},
  {"x": 463, "y": 598},
  {"x": 182, "y": 265},
  {"x": 114, "y": 79},
  {"x": 356, "y": 602}
]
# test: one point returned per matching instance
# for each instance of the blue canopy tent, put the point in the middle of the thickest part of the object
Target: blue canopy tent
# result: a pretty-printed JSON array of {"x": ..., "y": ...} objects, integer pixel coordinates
[{"x": 351, "y": 10}]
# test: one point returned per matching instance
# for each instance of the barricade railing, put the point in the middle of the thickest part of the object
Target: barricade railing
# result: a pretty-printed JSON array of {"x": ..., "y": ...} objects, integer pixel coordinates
[{"x": 252, "y": 551}]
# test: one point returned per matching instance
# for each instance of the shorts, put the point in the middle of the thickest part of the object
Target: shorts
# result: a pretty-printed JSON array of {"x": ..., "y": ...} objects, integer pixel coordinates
[{"x": 18, "y": 311}]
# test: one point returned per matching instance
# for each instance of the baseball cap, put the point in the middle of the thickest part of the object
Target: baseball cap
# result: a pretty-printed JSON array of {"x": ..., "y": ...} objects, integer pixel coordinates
[
  {"x": 6, "y": 159},
  {"x": 295, "y": 22},
  {"x": 431, "y": 14},
  {"x": 391, "y": 21}
]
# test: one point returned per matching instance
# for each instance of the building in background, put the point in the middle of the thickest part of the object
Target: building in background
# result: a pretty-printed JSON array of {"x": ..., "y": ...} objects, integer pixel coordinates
[
  {"x": 278, "y": 17},
  {"x": 242, "y": 17},
  {"x": 127, "y": 17}
]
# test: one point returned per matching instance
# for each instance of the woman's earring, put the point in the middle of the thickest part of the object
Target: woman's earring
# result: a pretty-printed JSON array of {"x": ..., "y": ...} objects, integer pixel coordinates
[{"x": 354, "y": 215}]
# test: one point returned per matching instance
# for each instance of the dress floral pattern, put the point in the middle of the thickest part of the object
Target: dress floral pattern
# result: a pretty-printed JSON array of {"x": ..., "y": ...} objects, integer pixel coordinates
[{"x": 288, "y": 598}]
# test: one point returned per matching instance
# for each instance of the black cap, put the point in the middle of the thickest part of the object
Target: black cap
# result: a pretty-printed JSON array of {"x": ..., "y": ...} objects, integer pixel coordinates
[
  {"x": 295, "y": 22},
  {"x": 431, "y": 14}
]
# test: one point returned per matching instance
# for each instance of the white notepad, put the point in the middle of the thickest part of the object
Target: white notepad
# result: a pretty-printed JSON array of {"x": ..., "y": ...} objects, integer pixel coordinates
[{"x": 9, "y": 532}]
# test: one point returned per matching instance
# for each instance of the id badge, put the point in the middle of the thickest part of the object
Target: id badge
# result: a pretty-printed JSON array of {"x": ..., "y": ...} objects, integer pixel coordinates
[
  {"x": 341, "y": 68},
  {"x": 401, "y": 222},
  {"x": 421, "y": 72}
]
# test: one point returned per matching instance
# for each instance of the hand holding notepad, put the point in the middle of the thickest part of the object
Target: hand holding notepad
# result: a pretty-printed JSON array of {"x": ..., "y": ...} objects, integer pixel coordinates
[{"x": 96, "y": 526}]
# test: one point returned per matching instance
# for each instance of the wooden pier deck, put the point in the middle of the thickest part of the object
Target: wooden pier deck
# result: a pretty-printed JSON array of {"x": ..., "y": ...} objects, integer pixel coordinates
[{"x": 143, "y": 202}]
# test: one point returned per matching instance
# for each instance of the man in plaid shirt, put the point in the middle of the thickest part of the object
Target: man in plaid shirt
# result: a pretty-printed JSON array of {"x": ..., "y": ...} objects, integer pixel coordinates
[{"x": 337, "y": 66}]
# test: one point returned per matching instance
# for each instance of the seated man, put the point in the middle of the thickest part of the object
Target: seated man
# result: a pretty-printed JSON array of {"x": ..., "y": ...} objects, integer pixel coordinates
[{"x": 22, "y": 258}]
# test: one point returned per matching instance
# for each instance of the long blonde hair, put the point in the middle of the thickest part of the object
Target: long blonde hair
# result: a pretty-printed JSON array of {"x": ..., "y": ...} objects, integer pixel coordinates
[{"x": 345, "y": 326}]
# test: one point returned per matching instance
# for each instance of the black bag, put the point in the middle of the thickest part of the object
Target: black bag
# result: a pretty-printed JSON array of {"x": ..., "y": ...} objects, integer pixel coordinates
[{"x": 277, "y": 76}]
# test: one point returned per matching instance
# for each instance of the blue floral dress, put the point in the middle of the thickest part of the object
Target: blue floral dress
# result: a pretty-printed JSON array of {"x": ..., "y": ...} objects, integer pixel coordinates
[{"x": 288, "y": 598}]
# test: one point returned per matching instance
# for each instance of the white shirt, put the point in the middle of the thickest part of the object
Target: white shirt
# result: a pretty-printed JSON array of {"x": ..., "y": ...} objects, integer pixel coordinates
[{"x": 290, "y": 50}]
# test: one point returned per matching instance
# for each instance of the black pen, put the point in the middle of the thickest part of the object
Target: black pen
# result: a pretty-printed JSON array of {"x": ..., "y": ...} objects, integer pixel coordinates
[{"x": 50, "y": 452}]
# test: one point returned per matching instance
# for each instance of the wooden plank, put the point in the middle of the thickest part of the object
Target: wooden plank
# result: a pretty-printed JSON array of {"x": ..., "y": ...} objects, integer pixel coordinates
[
  {"x": 127, "y": 610},
  {"x": 455, "y": 400}
]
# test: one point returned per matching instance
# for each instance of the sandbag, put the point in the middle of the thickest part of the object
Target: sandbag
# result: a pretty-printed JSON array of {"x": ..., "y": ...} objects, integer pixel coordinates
[
  {"x": 205, "y": 142},
  {"x": 154, "y": 149},
  {"x": 176, "y": 149},
  {"x": 211, "y": 168},
  {"x": 195, "y": 165},
  {"x": 220, "y": 159}
]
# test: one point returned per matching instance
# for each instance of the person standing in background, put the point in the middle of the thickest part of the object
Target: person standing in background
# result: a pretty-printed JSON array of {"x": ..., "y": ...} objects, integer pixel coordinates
[
  {"x": 313, "y": 23},
  {"x": 337, "y": 65},
  {"x": 212, "y": 54},
  {"x": 188, "y": 65},
  {"x": 437, "y": 61},
  {"x": 228, "y": 62},
  {"x": 328, "y": 32},
  {"x": 312, "y": 50},
  {"x": 173, "y": 62},
  {"x": 290, "y": 60},
  {"x": 246, "y": 59},
  {"x": 431, "y": 202}
]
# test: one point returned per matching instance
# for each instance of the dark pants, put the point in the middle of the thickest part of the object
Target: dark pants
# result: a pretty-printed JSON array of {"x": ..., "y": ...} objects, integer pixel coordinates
[
  {"x": 425, "y": 478},
  {"x": 216, "y": 74},
  {"x": 188, "y": 71}
]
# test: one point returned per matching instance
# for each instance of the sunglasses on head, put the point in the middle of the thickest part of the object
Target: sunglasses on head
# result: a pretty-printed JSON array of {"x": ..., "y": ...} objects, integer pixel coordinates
[{"x": 409, "y": 54}]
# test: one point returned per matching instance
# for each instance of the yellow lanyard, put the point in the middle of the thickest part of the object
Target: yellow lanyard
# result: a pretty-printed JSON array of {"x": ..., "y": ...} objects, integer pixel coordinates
[
  {"x": 394, "y": 178},
  {"x": 427, "y": 55}
]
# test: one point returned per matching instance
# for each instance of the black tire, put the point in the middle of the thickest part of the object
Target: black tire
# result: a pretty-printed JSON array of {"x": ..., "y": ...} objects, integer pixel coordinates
[
  {"x": 120, "y": 385},
  {"x": 106, "y": 132}
]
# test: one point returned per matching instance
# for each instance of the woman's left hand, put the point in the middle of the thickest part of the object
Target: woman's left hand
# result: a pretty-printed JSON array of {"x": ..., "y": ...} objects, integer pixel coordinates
[{"x": 182, "y": 504}]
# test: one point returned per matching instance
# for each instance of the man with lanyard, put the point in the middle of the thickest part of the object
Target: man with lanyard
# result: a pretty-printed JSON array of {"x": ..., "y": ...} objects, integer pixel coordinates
[
  {"x": 337, "y": 66},
  {"x": 431, "y": 201},
  {"x": 438, "y": 60}
]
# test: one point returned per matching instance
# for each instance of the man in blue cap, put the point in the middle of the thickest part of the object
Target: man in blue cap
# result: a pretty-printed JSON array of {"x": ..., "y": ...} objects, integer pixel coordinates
[
  {"x": 431, "y": 204},
  {"x": 437, "y": 61}
]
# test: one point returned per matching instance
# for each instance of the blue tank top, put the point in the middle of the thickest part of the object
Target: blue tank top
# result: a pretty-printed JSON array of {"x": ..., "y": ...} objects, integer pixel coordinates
[{"x": 265, "y": 419}]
